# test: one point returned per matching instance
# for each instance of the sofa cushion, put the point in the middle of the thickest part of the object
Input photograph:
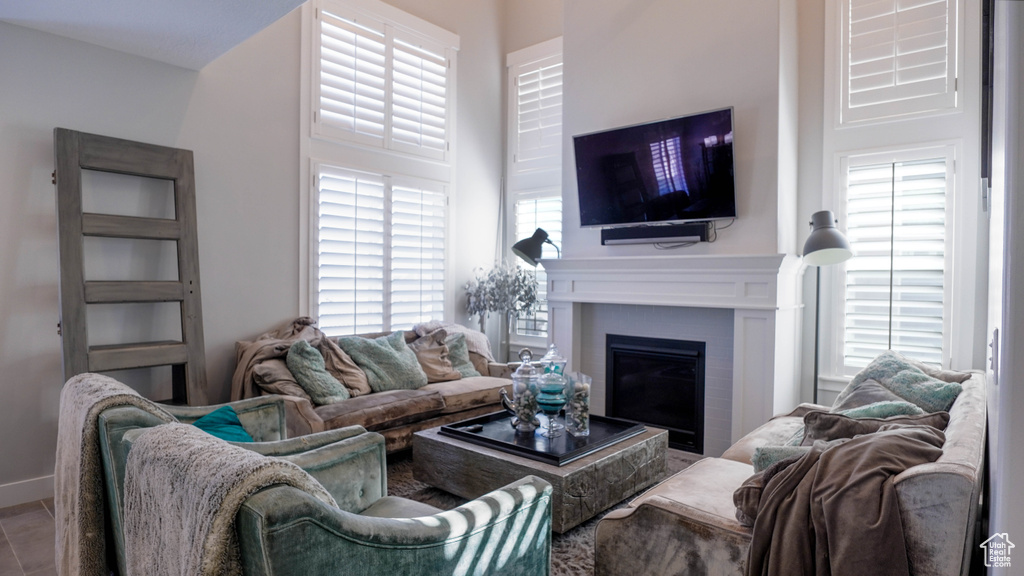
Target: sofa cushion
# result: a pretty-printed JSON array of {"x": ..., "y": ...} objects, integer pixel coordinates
[
  {"x": 458, "y": 352},
  {"x": 307, "y": 365},
  {"x": 388, "y": 362},
  {"x": 274, "y": 377},
  {"x": 470, "y": 392},
  {"x": 821, "y": 425},
  {"x": 382, "y": 410},
  {"x": 433, "y": 356},
  {"x": 704, "y": 492}
]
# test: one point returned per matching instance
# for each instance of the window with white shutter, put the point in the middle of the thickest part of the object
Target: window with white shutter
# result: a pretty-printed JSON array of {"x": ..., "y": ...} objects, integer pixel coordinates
[
  {"x": 380, "y": 251},
  {"x": 899, "y": 57},
  {"x": 532, "y": 213},
  {"x": 535, "y": 163},
  {"x": 897, "y": 286},
  {"x": 535, "y": 77},
  {"x": 381, "y": 83}
]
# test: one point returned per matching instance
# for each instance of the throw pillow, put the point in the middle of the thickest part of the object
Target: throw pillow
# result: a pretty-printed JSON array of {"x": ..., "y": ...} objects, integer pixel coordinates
[
  {"x": 866, "y": 392},
  {"x": 882, "y": 410},
  {"x": 765, "y": 456},
  {"x": 432, "y": 354},
  {"x": 224, "y": 424},
  {"x": 307, "y": 365},
  {"x": 821, "y": 425},
  {"x": 458, "y": 353},
  {"x": 273, "y": 377},
  {"x": 341, "y": 366},
  {"x": 907, "y": 380},
  {"x": 388, "y": 362}
]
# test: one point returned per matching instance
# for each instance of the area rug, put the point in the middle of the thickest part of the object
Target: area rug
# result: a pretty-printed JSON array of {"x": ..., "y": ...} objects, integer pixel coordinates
[{"x": 572, "y": 553}]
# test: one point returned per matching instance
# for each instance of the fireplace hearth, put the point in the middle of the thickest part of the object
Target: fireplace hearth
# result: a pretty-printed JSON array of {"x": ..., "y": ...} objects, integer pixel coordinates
[{"x": 660, "y": 382}]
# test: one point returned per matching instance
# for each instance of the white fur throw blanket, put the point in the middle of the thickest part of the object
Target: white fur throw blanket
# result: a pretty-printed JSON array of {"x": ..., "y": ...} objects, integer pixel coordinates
[
  {"x": 78, "y": 474},
  {"x": 183, "y": 488}
]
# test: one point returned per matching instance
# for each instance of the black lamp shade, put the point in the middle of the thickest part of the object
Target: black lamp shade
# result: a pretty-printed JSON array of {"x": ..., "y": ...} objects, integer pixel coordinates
[{"x": 529, "y": 249}]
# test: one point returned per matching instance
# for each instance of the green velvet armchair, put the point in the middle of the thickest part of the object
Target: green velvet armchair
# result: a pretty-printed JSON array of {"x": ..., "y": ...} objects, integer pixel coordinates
[{"x": 282, "y": 530}]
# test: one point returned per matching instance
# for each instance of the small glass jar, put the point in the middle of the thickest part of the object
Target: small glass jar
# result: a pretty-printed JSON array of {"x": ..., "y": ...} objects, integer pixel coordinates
[{"x": 524, "y": 394}]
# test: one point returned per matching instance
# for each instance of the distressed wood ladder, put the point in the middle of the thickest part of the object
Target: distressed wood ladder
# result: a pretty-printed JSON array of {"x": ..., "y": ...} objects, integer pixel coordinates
[{"x": 78, "y": 151}]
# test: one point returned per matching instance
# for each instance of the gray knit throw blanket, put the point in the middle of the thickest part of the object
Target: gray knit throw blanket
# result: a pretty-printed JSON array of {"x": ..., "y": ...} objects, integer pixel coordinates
[
  {"x": 78, "y": 475},
  {"x": 183, "y": 488}
]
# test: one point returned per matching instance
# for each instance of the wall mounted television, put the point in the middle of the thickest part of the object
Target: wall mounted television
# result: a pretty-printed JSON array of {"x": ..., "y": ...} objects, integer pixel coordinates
[{"x": 675, "y": 170}]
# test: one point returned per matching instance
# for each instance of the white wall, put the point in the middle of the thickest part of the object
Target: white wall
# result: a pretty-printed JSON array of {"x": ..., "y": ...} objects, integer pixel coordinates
[
  {"x": 628, "y": 62},
  {"x": 240, "y": 116}
]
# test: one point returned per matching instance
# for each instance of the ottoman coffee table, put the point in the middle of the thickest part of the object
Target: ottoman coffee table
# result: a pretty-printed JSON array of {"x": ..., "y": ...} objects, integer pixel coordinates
[{"x": 584, "y": 485}]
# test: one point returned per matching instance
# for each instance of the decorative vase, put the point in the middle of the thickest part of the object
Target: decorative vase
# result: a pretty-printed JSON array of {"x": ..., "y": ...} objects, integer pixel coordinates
[
  {"x": 524, "y": 405},
  {"x": 577, "y": 407},
  {"x": 551, "y": 399}
]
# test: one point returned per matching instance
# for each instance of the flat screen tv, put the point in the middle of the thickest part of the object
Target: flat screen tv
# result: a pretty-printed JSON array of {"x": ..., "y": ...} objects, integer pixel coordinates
[{"x": 675, "y": 170}]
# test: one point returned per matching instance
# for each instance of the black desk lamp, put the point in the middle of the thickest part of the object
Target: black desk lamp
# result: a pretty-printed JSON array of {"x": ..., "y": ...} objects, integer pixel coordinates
[{"x": 529, "y": 249}]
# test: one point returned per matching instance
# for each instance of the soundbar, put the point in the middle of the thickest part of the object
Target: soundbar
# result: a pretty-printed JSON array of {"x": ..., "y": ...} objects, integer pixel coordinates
[{"x": 674, "y": 233}]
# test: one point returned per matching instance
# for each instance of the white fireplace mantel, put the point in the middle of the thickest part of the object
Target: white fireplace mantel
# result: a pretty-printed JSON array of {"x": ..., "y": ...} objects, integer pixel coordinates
[{"x": 762, "y": 290}]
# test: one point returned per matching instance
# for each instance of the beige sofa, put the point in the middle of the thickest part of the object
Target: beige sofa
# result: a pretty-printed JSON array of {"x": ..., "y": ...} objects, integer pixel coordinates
[
  {"x": 688, "y": 523},
  {"x": 395, "y": 414}
]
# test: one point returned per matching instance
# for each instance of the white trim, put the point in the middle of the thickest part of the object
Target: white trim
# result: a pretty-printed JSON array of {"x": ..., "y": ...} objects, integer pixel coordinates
[{"x": 26, "y": 491}]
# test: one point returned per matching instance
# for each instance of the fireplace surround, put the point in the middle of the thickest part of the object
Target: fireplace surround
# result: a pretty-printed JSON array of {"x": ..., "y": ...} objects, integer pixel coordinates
[{"x": 761, "y": 291}]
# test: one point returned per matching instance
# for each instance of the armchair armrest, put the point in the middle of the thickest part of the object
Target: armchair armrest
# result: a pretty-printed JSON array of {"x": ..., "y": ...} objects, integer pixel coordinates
[
  {"x": 300, "y": 417},
  {"x": 263, "y": 417},
  {"x": 499, "y": 370},
  {"x": 504, "y": 532}
]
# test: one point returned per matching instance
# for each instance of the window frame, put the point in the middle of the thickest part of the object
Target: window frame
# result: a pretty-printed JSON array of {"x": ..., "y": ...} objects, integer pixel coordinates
[
  {"x": 959, "y": 128},
  {"x": 316, "y": 148},
  {"x": 535, "y": 179}
]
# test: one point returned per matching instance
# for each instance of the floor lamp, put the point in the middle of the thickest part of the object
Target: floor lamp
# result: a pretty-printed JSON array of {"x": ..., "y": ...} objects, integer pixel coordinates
[{"x": 825, "y": 246}]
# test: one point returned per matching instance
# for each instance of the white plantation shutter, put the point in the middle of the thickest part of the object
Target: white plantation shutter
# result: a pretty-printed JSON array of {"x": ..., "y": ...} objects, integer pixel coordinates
[
  {"x": 533, "y": 213},
  {"x": 896, "y": 287},
  {"x": 537, "y": 137},
  {"x": 381, "y": 84},
  {"x": 420, "y": 90},
  {"x": 352, "y": 77},
  {"x": 417, "y": 255},
  {"x": 351, "y": 251},
  {"x": 899, "y": 57}
]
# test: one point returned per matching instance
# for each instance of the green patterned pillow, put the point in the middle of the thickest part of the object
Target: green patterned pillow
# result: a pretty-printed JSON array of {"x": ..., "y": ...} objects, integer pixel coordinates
[
  {"x": 883, "y": 409},
  {"x": 307, "y": 365},
  {"x": 388, "y": 362},
  {"x": 458, "y": 353},
  {"x": 905, "y": 379},
  {"x": 765, "y": 456}
]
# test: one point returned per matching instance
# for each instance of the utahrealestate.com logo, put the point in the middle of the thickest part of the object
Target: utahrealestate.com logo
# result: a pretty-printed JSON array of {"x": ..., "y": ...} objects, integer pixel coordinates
[{"x": 997, "y": 550}]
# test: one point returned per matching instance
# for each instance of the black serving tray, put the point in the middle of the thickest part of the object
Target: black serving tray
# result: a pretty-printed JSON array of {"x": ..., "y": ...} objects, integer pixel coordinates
[{"x": 496, "y": 431}]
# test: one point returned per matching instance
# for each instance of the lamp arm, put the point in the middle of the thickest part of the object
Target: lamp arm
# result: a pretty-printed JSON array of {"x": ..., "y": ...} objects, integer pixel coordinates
[{"x": 557, "y": 251}]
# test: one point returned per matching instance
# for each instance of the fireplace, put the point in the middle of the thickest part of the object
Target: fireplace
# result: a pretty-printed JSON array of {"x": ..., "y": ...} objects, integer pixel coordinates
[{"x": 660, "y": 382}]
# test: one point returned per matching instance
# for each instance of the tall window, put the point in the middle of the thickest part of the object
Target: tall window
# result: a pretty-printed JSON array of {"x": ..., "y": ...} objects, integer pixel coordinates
[
  {"x": 899, "y": 164},
  {"x": 535, "y": 161},
  {"x": 896, "y": 287},
  {"x": 382, "y": 102}
]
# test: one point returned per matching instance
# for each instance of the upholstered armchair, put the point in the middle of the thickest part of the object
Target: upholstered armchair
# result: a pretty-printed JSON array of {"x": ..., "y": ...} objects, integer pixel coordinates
[{"x": 282, "y": 530}]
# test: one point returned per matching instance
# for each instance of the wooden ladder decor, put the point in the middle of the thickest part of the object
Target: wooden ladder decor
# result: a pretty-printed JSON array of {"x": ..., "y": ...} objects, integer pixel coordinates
[{"x": 77, "y": 151}]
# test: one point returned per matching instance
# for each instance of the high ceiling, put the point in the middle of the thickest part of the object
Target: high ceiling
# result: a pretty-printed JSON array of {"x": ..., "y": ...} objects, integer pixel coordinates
[{"x": 186, "y": 33}]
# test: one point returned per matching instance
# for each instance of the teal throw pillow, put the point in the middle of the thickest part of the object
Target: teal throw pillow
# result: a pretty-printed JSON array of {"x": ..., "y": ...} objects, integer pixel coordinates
[
  {"x": 884, "y": 409},
  {"x": 765, "y": 456},
  {"x": 904, "y": 378},
  {"x": 458, "y": 354},
  {"x": 388, "y": 362},
  {"x": 307, "y": 365},
  {"x": 224, "y": 424}
]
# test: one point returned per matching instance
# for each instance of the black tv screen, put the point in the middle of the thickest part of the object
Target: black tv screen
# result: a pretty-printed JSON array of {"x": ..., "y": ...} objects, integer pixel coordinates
[{"x": 676, "y": 170}]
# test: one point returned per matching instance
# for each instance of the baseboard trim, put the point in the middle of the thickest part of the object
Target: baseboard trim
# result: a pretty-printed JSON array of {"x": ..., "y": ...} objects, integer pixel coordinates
[{"x": 26, "y": 491}]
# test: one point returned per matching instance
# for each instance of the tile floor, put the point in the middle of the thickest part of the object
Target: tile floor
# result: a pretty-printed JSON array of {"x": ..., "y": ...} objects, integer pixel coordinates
[{"x": 27, "y": 539}]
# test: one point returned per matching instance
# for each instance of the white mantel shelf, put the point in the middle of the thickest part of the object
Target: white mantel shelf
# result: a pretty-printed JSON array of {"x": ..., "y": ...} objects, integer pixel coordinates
[
  {"x": 762, "y": 290},
  {"x": 748, "y": 282}
]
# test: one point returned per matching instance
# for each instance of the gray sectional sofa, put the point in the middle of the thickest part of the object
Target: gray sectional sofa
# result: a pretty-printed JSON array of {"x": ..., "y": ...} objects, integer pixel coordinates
[{"x": 688, "y": 524}]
